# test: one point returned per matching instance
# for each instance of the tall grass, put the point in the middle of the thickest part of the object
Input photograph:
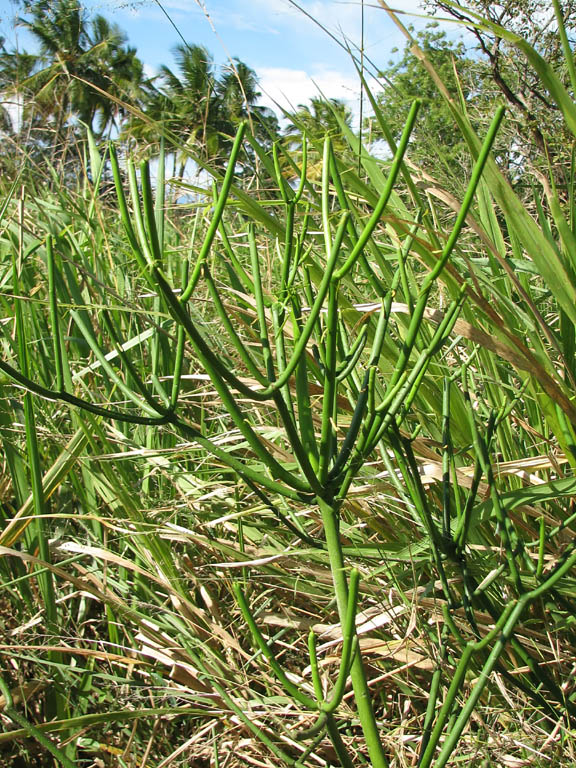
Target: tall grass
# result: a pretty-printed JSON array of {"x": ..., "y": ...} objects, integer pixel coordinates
[{"x": 290, "y": 480}]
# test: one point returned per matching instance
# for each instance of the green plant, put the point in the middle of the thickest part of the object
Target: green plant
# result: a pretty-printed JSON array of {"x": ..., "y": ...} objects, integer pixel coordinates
[{"x": 381, "y": 381}]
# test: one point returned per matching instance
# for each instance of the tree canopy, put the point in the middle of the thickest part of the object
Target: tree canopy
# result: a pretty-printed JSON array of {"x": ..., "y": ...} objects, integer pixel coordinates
[
  {"x": 85, "y": 73},
  {"x": 406, "y": 80}
]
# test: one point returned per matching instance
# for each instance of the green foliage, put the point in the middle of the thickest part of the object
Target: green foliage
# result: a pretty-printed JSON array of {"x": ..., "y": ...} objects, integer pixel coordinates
[
  {"x": 291, "y": 479},
  {"x": 537, "y": 129},
  {"x": 197, "y": 110},
  {"x": 310, "y": 124},
  {"x": 437, "y": 147},
  {"x": 87, "y": 74},
  {"x": 84, "y": 68}
]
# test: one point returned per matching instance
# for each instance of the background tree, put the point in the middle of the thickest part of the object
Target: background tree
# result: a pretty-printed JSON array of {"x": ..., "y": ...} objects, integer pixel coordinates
[
  {"x": 238, "y": 94},
  {"x": 84, "y": 72},
  {"x": 540, "y": 131},
  {"x": 407, "y": 79},
  {"x": 188, "y": 98},
  {"x": 117, "y": 72},
  {"x": 23, "y": 121},
  {"x": 316, "y": 120},
  {"x": 15, "y": 70},
  {"x": 197, "y": 109},
  {"x": 81, "y": 63}
]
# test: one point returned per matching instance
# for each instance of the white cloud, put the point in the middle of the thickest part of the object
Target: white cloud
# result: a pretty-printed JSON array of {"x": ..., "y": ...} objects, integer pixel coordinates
[
  {"x": 150, "y": 71},
  {"x": 291, "y": 87},
  {"x": 14, "y": 108}
]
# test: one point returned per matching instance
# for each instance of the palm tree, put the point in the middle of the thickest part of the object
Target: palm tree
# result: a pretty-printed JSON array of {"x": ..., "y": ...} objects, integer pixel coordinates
[
  {"x": 191, "y": 103},
  {"x": 15, "y": 70},
  {"x": 196, "y": 110},
  {"x": 115, "y": 70},
  {"x": 237, "y": 90},
  {"x": 22, "y": 123},
  {"x": 73, "y": 78},
  {"x": 238, "y": 93},
  {"x": 181, "y": 107},
  {"x": 321, "y": 118}
]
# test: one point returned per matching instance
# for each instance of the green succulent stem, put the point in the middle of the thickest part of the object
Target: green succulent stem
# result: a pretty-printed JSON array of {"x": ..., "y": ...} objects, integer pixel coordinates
[{"x": 330, "y": 519}]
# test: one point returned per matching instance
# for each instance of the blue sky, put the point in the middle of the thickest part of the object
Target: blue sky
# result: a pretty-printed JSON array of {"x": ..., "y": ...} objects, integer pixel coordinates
[{"x": 292, "y": 56}]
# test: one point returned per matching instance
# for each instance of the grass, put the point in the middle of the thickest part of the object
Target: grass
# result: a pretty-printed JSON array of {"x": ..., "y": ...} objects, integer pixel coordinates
[{"x": 289, "y": 480}]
